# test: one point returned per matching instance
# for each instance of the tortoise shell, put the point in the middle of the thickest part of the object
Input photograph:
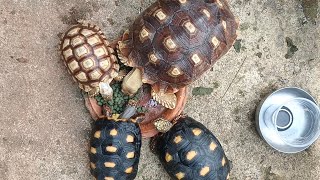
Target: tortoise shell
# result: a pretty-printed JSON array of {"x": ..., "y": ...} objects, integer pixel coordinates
[
  {"x": 88, "y": 56},
  {"x": 115, "y": 150},
  {"x": 176, "y": 41},
  {"x": 190, "y": 151}
]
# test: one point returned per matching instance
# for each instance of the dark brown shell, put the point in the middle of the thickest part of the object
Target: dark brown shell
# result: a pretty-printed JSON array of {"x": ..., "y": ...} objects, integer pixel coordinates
[
  {"x": 88, "y": 56},
  {"x": 176, "y": 41}
]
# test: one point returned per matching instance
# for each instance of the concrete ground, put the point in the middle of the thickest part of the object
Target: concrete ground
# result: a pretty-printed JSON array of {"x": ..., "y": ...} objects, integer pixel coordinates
[{"x": 44, "y": 126}]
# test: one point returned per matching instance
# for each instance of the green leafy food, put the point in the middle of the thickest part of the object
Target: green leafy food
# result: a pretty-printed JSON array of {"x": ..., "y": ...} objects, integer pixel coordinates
[
  {"x": 237, "y": 45},
  {"x": 119, "y": 101},
  {"x": 141, "y": 109},
  {"x": 201, "y": 91}
]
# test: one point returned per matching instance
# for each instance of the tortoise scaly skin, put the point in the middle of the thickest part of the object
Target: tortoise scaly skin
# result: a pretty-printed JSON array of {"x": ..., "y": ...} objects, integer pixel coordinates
[
  {"x": 189, "y": 151},
  {"x": 173, "y": 42},
  {"x": 115, "y": 150},
  {"x": 89, "y": 59}
]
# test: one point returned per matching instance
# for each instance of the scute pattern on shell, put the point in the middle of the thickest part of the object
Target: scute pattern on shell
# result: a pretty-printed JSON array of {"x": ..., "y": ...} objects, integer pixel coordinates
[
  {"x": 176, "y": 41},
  {"x": 190, "y": 151},
  {"x": 88, "y": 56},
  {"x": 115, "y": 150}
]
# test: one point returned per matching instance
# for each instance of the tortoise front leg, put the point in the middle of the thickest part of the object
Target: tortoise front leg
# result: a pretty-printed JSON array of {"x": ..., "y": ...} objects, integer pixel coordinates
[{"x": 166, "y": 99}]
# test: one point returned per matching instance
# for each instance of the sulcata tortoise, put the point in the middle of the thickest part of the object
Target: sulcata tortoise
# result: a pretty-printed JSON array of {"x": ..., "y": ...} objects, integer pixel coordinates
[
  {"x": 190, "y": 151},
  {"x": 89, "y": 59},
  {"x": 115, "y": 149},
  {"x": 173, "y": 42}
]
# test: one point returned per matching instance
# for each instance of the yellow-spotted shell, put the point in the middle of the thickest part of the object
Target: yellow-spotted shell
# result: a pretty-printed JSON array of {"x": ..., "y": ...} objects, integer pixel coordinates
[
  {"x": 115, "y": 149},
  {"x": 189, "y": 151}
]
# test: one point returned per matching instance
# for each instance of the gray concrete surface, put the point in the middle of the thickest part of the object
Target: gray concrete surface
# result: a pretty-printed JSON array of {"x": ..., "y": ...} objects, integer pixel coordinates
[{"x": 44, "y": 126}]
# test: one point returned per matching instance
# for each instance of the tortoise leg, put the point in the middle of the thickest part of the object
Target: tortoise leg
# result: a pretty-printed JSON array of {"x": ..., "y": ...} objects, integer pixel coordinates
[
  {"x": 121, "y": 75},
  {"x": 166, "y": 99},
  {"x": 93, "y": 91},
  {"x": 124, "y": 60},
  {"x": 124, "y": 49},
  {"x": 132, "y": 82}
]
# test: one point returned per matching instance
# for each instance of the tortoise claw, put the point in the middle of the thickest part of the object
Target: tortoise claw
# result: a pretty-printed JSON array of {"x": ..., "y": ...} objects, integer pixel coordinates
[
  {"x": 124, "y": 60},
  {"x": 121, "y": 75},
  {"x": 124, "y": 49},
  {"x": 168, "y": 100},
  {"x": 93, "y": 92}
]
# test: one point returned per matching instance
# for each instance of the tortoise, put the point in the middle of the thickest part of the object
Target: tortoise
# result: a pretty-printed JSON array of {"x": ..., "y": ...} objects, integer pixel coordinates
[
  {"x": 115, "y": 149},
  {"x": 173, "y": 42},
  {"x": 190, "y": 151},
  {"x": 89, "y": 59}
]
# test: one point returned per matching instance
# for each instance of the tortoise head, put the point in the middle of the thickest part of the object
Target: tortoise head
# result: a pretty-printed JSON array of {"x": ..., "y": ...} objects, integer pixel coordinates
[
  {"x": 190, "y": 151},
  {"x": 132, "y": 82},
  {"x": 124, "y": 48},
  {"x": 105, "y": 90}
]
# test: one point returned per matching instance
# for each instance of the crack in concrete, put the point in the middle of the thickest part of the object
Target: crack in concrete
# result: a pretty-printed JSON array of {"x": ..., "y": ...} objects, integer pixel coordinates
[{"x": 242, "y": 64}]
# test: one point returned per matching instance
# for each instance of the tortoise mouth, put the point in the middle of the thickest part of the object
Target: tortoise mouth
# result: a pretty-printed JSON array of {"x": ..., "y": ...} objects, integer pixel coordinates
[{"x": 148, "y": 110}]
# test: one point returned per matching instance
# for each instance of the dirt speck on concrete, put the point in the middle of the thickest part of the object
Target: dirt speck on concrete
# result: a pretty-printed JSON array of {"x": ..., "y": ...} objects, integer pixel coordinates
[
  {"x": 13, "y": 12},
  {"x": 271, "y": 176},
  {"x": 111, "y": 21},
  {"x": 4, "y": 170},
  {"x": 81, "y": 11},
  {"x": 75, "y": 14},
  {"x": 259, "y": 54},
  {"x": 292, "y": 49},
  {"x": 59, "y": 35},
  {"x": 236, "y": 110},
  {"x": 117, "y": 3},
  {"x": 244, "y": 26},
  {"x": 22, "y": 60},
  {"x": 310, "y": 9}
]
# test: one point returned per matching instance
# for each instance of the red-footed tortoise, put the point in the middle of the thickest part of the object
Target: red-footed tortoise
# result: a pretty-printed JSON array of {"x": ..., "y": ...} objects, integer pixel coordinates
[
  {"x": 173, "y": 42},
  {"x": 190, "y": 151},
  {"x": 89, "y": 59},
  {"x": 115, "y": 149}
]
